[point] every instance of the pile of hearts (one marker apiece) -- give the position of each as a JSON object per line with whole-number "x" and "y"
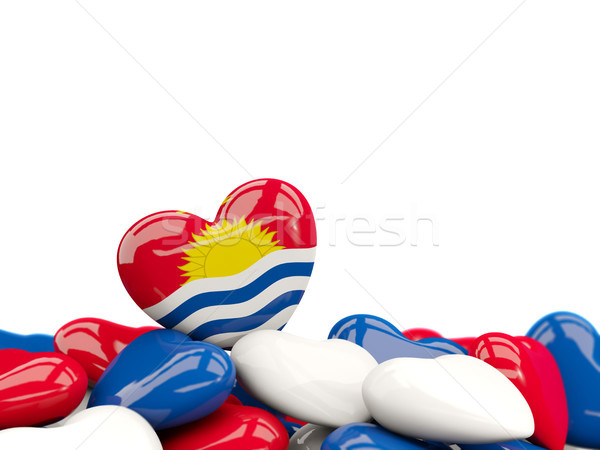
{"x": 217, "y": 372}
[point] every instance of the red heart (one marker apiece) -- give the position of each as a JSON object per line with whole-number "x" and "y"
{"x": 38, "y": 388}
{"x": 94, "y": 343}
{"x": 533, "y": 370}
{"x": 220, "y": 280}
{"x": 231, "y": 427}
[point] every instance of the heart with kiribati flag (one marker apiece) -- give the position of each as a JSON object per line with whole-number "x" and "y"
{"x": 218, "y": 281}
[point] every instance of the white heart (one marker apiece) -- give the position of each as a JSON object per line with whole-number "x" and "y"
{"x": 451, "y": 398}
{"x": 315, "y": 381}
{"x": 98, "y": 428}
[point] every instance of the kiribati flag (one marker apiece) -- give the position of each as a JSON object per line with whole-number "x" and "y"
{"x": 220, "y": 280}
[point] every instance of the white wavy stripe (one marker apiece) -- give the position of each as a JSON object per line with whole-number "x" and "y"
{"x": 225, "y": 340}
{"x": 230, "y": 282}
{"x": 243, "y": 309}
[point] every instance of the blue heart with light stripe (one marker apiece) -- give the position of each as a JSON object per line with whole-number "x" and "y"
{"x": 167, "y": 378}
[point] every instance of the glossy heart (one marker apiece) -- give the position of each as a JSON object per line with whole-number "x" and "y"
{"x": 29, "y": 342}
{"x": 384, "y": 341}
{"x": 231, "y": 427}
{"x": 217, "y": 281}
{"x": 309, "y": 437}
{"x": 367, "y": 436}
{"x": 168, "y": 378}
{"x": 451, "y": 398}
{"x": 38, "y": 388}
{"x": 291, "y": 425}
{"x": 315, "y": 381}
{"x": 94, "y": 343}
{"x": 101, "y": 428}
{"x": 575, "y": 345}
{"x": 532, "y": 369}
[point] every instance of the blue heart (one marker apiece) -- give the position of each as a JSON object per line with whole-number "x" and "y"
{"x": 32, "y": 343}
{"x": 384, "y": 341}
{"x": 363, "y": 436}
{"x": 168, "y": 378}
{"x": 575, "y": 345}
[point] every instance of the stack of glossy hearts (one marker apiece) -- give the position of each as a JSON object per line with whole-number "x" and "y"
{"x": 232, "y": 284}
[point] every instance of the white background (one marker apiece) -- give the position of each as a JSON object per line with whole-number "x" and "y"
{"x": 483, "y": 118}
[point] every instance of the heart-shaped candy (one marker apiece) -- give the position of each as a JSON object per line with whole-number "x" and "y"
{"x": 94, "y": 343}
{"x": 100, "y": 428}
{"x": 532, "y": 369}
{"x": 315, "y": 381}
{"x": 217, "y": 281}
{"x": 231, "y": 427}
{"x": 309, "y": 437}
{"x": 451, "y": 398}
{"x": 28, "y": 342}
{"x": 575, "y": 345}
{"x": 367, "y": 436}
{"x": 38, "y": 388}
{"x": 168, "y": 378}
{"x": 384, "y": 341}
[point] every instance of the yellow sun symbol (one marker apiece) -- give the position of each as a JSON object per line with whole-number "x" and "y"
{"x": 227, "y": 248}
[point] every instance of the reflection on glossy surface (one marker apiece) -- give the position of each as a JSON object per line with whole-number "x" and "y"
{"x": 367, "y": 436}
{"x": 309, "y": 437}
{"x": 31, "y": 342}
{"x": 38, "y": 388}
{"x": 532, "y": 369}
{"x": 217, "y": 281}
{"x": 291, "y": 425}
{"x": 101, "y": 428}
{"x": 167, "y": 378}
{"x": 231, "y": 427}
{"x": 575, "y": 345}
{"x": 384, "y": 341}
{"x": 451, "y": 398}
{"x": 94, "y": 343}
{"x": 315, "y": 381}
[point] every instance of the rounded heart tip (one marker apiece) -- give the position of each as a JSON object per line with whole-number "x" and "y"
{"x": 451, "y": 398}
{"x": 167, "y": 378}
{"x": 317, "y": 382}
{"x": 38, "y": 388}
